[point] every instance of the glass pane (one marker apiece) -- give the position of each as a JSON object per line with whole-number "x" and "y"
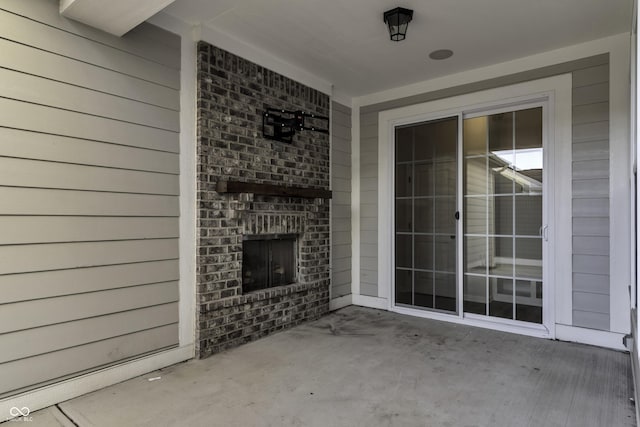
{"x": 529, "y": 128}
{"x": 528, "y": 171}
{"x": 282, "y": 261}
{"x": 475, "y": 176}
{"x": 504, "y": 160}
{"x": 404, "y": 144}
{"x": 445, "y": 292}
{"x": 502, "y": 215}
{"x": 502, "y": 176}
{"x": 424, "y": 252}
{"x": 445, "y": 253}
{"x": 426, "y": 192}
{"x": 501, "y": 297}
{"x": 501, "y": 132}
{"x": 403, "y": 214}
{"x": 424, "y": 179}
{"x": 403, "y": 180}
{"x": 528, "y": 215}
{"x": 529, "y": 301}
{"x": 404, "y": 286}
{"x": 424, "y": 215}
{"x": 445, "y": 177}
{"x": 475, "y": 254}
{"x": 501, "y": 256}
{"x": 475, "y": 215}
{"x": 445, "y": 214}
{"x": 425, "y": 142}
{"x": 529, "y": 258}
{"x": 475, "y": 294}
{"x": 404, "y": 250}
{"x": 445, "y": 139}
{"x": 423, "y": 295}
{"x": 475, "y": 136}
{"x": 255, "y": 265}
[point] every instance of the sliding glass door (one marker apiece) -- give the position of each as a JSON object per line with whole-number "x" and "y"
{"x": 488, "y": 172}
{"x": 503, "y": 169}
{"x": 425, "y": 215}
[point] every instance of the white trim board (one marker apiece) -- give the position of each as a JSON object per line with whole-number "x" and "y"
{"x": 555, "y": 92}
{"x": 590, "y": 336}
{"x": 371, "y": 302}
{"x": 620, "y": 177}
{"x": 355, "y": 200}
{"x": 340, "y": 302}
{"x": 77, "y": 386}
{"x": 188, "y": 158}
{"x": 495, "y": 324}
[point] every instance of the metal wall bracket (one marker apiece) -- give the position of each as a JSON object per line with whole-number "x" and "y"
{"x": 282, "y": 125}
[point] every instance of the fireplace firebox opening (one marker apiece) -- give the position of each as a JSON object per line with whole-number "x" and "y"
{"x": 268, "y": 261}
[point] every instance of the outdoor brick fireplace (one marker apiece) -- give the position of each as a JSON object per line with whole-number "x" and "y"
{"x": 260, "y": 201}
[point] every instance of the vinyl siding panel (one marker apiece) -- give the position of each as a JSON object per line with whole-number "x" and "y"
{"x": 145, "y": 41}
{"x": 50, "y": 338}
{"x": 43, "y": 174}
{"x": 43, "y": 91}
{"x": 59, "y": 256}
{"x": 341, "y": 201}
{"x": 89, "y": 178}
{"x": 26, "y": 144}
{"x": 49, "y": 284}
{"x": 592, "y": 283}
{"x": 590, "y": 153}
{"x": 590, "y": 198}
{"x": 79, "y": 359}
{"x": 20, "y": 230}
{"x": 46, "y": 37}
{"x": 51, "y": 311}
{"x": 39, "y": 118}
{"x": 25, "y": 59}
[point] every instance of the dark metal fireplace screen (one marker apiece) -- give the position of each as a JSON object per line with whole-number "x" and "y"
{"x": 268, "y": 261}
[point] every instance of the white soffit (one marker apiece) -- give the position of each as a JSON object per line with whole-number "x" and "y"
{"x": 116, "y": 17}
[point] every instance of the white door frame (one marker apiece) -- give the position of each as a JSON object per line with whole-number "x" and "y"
{"x": 555, "y": 94}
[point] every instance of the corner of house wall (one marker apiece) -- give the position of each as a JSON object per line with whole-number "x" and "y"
{"x": 355, "y": 198}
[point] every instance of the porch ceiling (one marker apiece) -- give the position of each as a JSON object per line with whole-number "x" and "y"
{"x": 347, "y": 44}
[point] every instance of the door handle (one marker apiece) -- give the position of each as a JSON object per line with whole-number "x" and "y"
{"x": 457, "y": 215}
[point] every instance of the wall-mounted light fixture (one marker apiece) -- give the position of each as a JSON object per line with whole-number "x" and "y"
{"x": 398, "y": 20}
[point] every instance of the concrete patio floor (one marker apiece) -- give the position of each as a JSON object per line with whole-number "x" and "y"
{"x": 364, "y": 367}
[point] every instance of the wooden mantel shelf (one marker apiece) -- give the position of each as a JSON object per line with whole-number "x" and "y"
{"x": 272, "y": 190}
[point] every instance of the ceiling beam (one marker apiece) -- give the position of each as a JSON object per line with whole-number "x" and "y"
{"x": 116, "y": 17}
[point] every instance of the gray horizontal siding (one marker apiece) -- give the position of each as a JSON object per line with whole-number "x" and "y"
{"x": 89, "y": 178}
{"x": 369, "y": 204}
{"x": 590, "y": 165}
{"x": 590, "y": 175}
{"x": 341, "y": 202}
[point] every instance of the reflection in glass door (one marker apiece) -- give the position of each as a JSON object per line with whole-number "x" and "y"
{"x": 503, "y": 227}
{"x": 425, "y": 215}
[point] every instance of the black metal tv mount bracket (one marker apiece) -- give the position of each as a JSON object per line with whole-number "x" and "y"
{"x": 282, "y": 125}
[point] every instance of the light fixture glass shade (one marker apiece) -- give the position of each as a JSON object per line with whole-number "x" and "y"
{"x": 398, "y": 21}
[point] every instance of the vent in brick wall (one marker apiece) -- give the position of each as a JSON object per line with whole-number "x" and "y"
{"x": 273, "y": 223}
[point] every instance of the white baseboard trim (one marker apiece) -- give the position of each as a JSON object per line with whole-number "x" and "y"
{"x": 340, "y": 302}
{"x": 74, "y": 387}
{"x": 371, "y": 302}
{"x": 605, "y": 339}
